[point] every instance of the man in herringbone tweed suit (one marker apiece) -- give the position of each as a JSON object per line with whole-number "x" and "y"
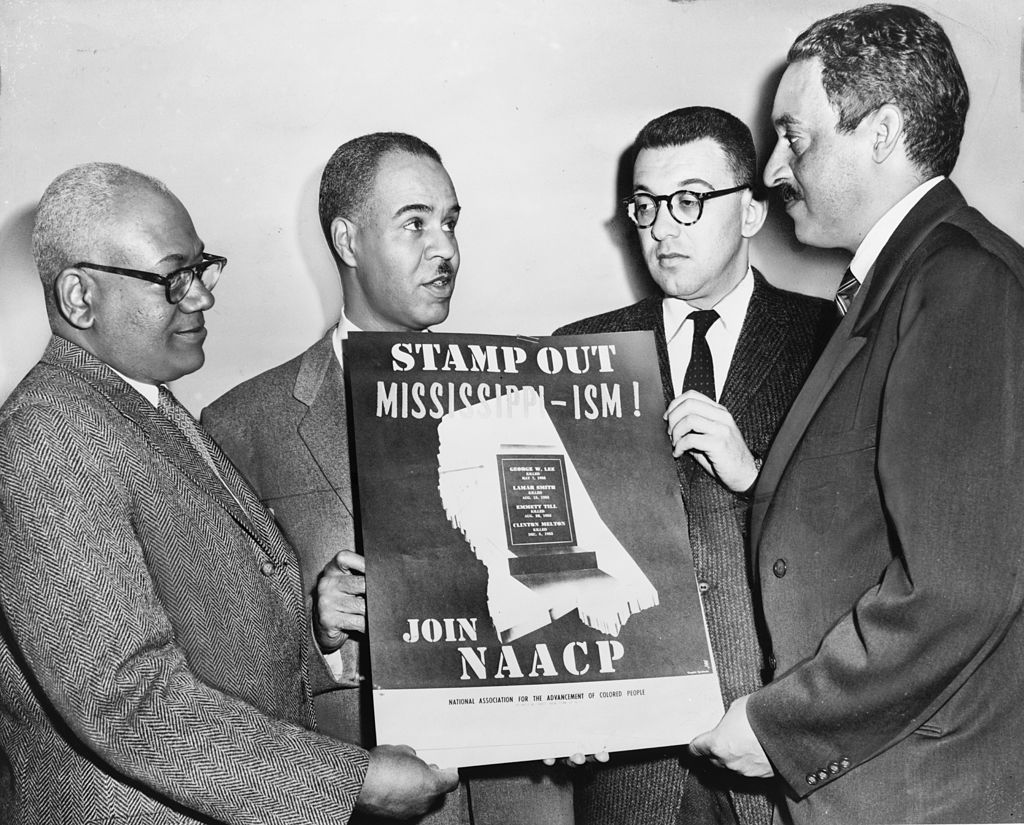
{"x": 762, "y": 343}
{"x": 154, "y": 659}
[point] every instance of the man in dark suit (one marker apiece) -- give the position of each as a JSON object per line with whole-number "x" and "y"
{"x": 388, "y": 211}
{"x": 722, "y": 332}
{"x": 886, "y": 526}
{"x": 154, "y": 654}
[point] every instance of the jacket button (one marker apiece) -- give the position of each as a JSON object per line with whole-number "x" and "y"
{"x": 833, "y": 767}
{"x": 812, "y": 779}
{"x": 779, "y": 568}
{"x": 267, "y": 568}
{"x": 822, "y": 775}
{"x": 703, "y": 587}
{"x": 844, "y": 762}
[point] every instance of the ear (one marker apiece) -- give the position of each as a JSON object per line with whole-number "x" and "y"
{"x": 343, "y": 233}
{"x": 74, "y": 292}
{"x": 886, "y": 130}
{"x": 754, "y": 213}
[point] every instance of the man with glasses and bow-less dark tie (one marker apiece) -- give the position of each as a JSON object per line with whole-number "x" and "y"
{"x": 155, "y": 646}
{"x": 733, "y": 351}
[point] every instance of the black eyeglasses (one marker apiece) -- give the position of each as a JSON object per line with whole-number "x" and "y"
{"x": 684, "y": 206}
{"x": 178, "y": 282}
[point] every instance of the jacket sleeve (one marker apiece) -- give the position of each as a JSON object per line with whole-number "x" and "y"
{"x": 950, "y": 477}
{"x": 84, "y": 612}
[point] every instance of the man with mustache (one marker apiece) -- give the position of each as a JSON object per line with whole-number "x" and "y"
{"x": 886, "y": 528}
{"x": 388, "y": 211}
{"x": 733, "y": 351}
{"x": 155, "y": 640}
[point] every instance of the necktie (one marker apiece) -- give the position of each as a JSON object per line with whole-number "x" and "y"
{"x": 846, "y": 292}
{"x": 183, "y": 420}
{"x": 700, "y": 372}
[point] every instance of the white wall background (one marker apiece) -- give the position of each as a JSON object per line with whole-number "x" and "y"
{"x": 236, "y": 105}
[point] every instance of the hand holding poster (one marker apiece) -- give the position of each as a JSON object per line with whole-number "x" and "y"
{"x": 530, "y": 588}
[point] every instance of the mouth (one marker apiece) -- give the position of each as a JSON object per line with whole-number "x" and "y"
{"x": 671, "y": 258}
{"x": 444, "y": 283}
{"x": 193, "y": 333}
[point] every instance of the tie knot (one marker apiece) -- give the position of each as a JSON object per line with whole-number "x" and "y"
{"x": 702, "y": 321}
{"x": 167, "y": 399}
{"x": 849, "y": 284}
{"x": 847, "y": 289}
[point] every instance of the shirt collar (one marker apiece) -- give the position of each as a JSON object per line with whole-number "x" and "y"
{"x": 341, "y": 331}
{"x": 879, "y": 234}
{"x": 731, "y": 309}
{"x": 150, "y": 392}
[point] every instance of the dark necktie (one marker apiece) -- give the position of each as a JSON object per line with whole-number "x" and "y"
{"x": 846, "y": 292}
{"x": 700, "y": 372}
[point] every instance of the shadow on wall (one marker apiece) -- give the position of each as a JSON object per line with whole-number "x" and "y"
{"x": 319, "y": 264}
{"x": 623, "y": 235}
{"x": 24, "y": 331}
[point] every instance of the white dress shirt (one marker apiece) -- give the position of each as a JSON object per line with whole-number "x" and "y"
{"x": 345, "y": 326}
{"x": 722, "y": 336}
{"x": 878, "y": 236}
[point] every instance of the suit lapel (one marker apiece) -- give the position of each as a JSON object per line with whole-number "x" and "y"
{"x": 162, "y": 434}
{"x": 324, "y": 429}
{"x": 757, "y": 349}
{"x": 849, "y": 338}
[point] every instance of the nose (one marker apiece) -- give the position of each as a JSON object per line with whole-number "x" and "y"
{"x": 664, "y": 226}
{"x": 443, "y": 244}
{"x": 777, "y": 171}
{"x": 198, "y": 298}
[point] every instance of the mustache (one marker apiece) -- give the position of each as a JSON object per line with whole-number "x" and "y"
{"x": 445, "y": 269}
{"x": 789, "y": 193}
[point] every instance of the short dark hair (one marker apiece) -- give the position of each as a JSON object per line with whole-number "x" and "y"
{"x": 883, "y": 53}
{"x": 349, "y": 175}
{"x": 682, "y": 126}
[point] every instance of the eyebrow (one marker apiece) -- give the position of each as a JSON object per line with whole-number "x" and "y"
{"x": 683, "y": 184}
{"x": 175, "y": 258}
{"x": 422, "y": 207}
{"x": 785, "y": 120}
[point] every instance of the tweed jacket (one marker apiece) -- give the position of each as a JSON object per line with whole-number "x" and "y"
{"x": 890, "y": 545}
{"x": 782, "y": 334}
{"x": 153, "y": 659}
{"x": 286, "y": 430}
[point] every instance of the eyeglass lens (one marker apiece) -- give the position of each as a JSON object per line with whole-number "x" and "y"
{"x": 683, "y": 206}
{"x": 181, "y": 282}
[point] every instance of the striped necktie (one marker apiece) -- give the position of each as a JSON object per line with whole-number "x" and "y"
{"x": 846, "y": 292}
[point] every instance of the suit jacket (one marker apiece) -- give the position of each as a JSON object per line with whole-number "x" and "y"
{"x": 888, "y": 541}
{"x": 286, "y": 431}
{"x": 782, "y": 334}
{"x": 153, "y": 661}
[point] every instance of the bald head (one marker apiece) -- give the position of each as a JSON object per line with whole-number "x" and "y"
{"x": 75, "y": 214}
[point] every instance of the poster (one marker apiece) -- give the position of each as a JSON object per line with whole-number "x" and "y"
{"x": 530, "y": 587}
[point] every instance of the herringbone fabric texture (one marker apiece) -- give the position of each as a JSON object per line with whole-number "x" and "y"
{"x": 153, "y": 663}
{"x": 782, "y": 335}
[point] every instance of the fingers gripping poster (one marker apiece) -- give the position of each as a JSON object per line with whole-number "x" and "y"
{"x": 530, "y": 585}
